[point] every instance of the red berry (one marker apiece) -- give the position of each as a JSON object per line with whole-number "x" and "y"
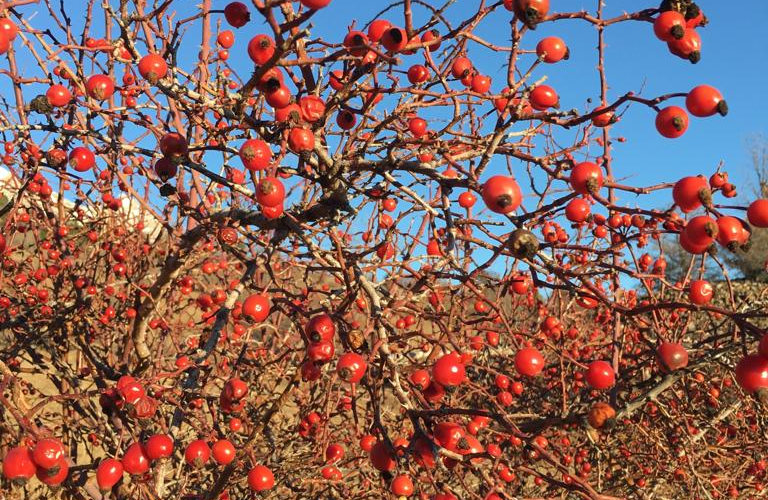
{"x": 351, "y": 367}
{"x": 529, "y": 362}
{"x": 197, "y": 453}
{"x": 449, "y": 370}
{"x": 223, "y": 451}
{"x": 752, "y": 373}
{"x": 108, "y": 474}
{"x": 260, "y": 478}
{"x": 159, "y": 446}
{"x": 501, "y": 194}
{"x": 18, "y": 466}
{"x": 600, "y": 375}
{"x": 256, "y": 308}
{"x": 135, "y": 460}
{"x": 153, "y": 67}
{"x": 47, "y": 453}
{"x": 237, "y": 14}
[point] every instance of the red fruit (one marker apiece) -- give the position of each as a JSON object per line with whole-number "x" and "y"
{"x": 226, "y": 39}
{"x": 672, "y": 122}
{"x": 377, "y": 28}
{"x": 529, "y": 362}
{"x": 381, "y": 458}
{"x": 467, "y": 199}
{"x": 687, "y": 47}
{"x": 705, "y": 101}
{"x": 432, "y": 40}
{"x": 47, "y": 453}
{"x": 669, "y": 26}
{"x": 551, "y": 49}
{"x": 312, "y": 108}
{"x": 271, "y": 80}
{"x": 481, "y": 84}
{"x": 691, "y": 192}
{"x": 129, "y": 389}
{"x": 402, "y": 486}
{"x": 731, "y": 231}
{"x": 159, "y": 446}
{"x": 18, "y": 466}
{"x": 577, "y": 210}
{"x": 461, "y": 67}
{"x": 356, "y": 43}
{"x": 58, "y": 95}
{"x": 223, "y": 452}
{"x": 529, "y": 12}
{"x": 700, "y": 231}
{"x": 691, "y": 247}
{"x": 420, "y": 378}
{"x": 543, "y": 97}
{"x": 394, "y": 39}
{"x": 320, "y": 327}
{"x": 757, "y": 213}
{"x": 261, "y": 48}
{"x": 165, "y": 168}
{"x": 333, "y": 453}
{"x": 256, "y": 308}
{"x": 331, "y": 473}
{"x": 603, "y": 119}
{"x": 752, "y": 373}
{"x": 153, "y": 67}
{"x": 718, "y": 180}
{"x": 417, "y": 126}
{"x": 501, "y": 194}
{"x": 448, "y": 434}
{"x": 237, "y": 14}
{"x": 351, "y": 367}
{"x": 586, "y": 178}
{"x": 100, "y": 87}
{"x": 235, "y": 389}
{"x": 418, "y": 74}
{"x": 197, "y": 453}
{"x": 5, "y": 42}
{"x": 108, "y": 474}
{"x": 700, "y": 292}
{"x": 672, "y": 356}
{"x": 367, "y": 443}
{"x": 290, "y": 113}
{"x": 433, "y": 248}
{"x": 260, "y": 478}
{"x": 600, "y": 375}
{"x": 174, "y": 144}
{"x": 315, "y": 4}
{"x": 346, "y": 120}
{"x": 82, "y": 159}
{"x": 501, "y": 102}
{"x": 9, "y": 28}
{"x": 255, "y": 154}
{"x": 54, "y": 476}
{"x": 135, "y": 460}
{"x": 321, "y": 352}
{"x": 449, "y": 370}
{"x": 270, "y": 192}
{"x": 301, "y": 140}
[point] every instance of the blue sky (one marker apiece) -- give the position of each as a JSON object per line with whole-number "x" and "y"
{"x": 735, "y": 55}
{"x": 734, "y": 60}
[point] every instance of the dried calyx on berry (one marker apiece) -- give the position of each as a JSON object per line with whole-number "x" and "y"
{"x": 40, "y": 104}
{"x": 523, "y": 244}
